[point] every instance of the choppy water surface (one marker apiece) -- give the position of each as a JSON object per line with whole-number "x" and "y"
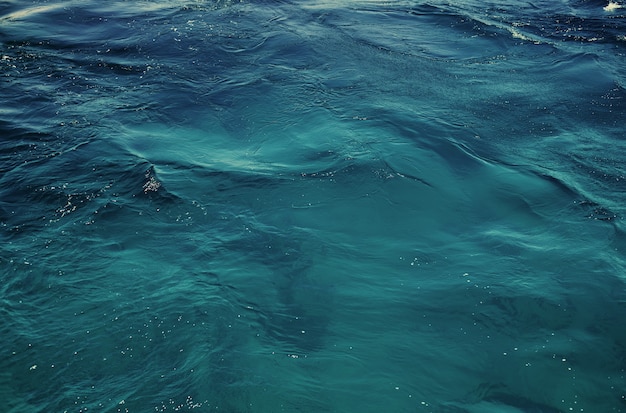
{"x": 312, "y": 206}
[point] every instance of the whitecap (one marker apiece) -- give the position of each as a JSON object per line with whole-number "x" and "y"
{"x": 612, "y": 6}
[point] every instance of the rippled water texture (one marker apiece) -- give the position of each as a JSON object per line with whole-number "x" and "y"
{"x": 312, "y": 206}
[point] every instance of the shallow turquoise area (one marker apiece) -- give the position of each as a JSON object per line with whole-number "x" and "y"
{"x": 312, "y": 206}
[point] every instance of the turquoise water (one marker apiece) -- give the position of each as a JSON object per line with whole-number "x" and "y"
{"x": 312, "y": 206}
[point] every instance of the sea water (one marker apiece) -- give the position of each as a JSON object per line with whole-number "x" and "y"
{"x": 312, "y": 206}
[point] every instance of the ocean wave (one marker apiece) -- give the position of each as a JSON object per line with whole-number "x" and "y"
{"x": 289, "y": 206}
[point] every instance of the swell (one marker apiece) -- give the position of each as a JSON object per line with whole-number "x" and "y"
{"x": 558, "y": 24}
{"x": 143, "y": 274}
{"x": 479, "y": 32}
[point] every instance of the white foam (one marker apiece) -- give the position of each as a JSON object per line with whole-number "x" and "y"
{"x": 612, "y": 6}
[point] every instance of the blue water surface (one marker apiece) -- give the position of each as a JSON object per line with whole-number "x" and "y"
{"x": 312, "y": 206}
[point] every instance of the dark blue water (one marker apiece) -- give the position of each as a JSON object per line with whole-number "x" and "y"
{"x": 302, "y": 206}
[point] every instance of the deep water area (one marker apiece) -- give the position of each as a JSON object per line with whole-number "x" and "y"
{"x": 313, "y": 206}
